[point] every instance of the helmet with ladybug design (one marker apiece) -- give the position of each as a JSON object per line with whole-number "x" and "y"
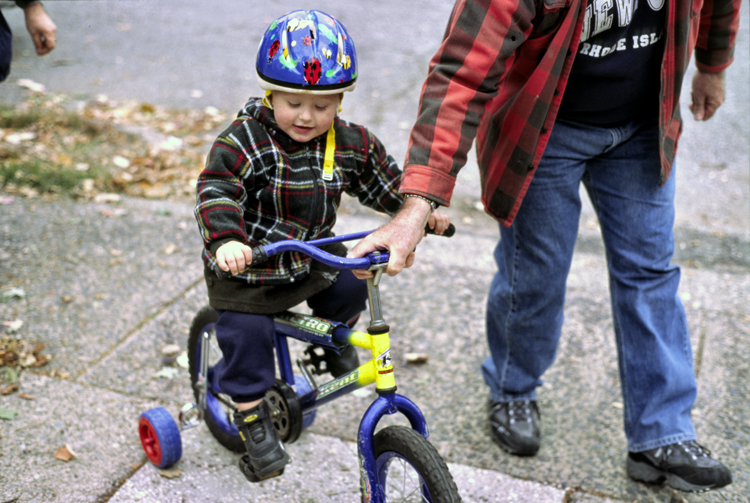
{"x": 307, "y": 52}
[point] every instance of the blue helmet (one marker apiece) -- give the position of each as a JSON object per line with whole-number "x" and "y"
{"x": 307, "y": 52}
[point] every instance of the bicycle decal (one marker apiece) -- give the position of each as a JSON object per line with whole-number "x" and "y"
{"x": 364, "y": 482}
{"x": 311, "y": 324}
{"x": 339, "y": 383}
{"x": 385, "y": 362}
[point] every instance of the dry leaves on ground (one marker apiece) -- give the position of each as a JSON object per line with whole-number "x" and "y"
{"x": 102, "y": 146}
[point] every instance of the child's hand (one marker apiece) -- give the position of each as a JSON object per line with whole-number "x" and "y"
{"x": 234, "y": 257}
{"x": 438, "y": 222}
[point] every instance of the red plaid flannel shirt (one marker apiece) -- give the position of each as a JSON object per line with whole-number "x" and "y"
{"x": 499, "y": 77}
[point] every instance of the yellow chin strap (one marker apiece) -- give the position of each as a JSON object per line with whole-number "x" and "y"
{"x": 330, "y": 149}
{"x": 330, "y": 142}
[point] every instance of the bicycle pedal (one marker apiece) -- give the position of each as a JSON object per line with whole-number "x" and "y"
{"x": 315, "y": 361}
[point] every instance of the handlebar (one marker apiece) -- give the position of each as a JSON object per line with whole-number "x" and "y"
{"x": 311, "y": 248}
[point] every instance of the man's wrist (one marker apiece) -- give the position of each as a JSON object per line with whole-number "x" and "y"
{"x": 433, "y": 204}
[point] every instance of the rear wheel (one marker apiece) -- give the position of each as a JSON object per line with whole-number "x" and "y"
{"x": 219, "y": 407}
{"x": 409, "y": 468}
{"x": 219, "y": 411}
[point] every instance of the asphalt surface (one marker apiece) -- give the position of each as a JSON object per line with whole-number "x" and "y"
{"x": 106, "y": 286}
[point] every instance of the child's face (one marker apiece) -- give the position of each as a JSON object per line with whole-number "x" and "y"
{"x": 304, "y": 116}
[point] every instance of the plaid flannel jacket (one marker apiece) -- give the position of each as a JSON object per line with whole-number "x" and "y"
{"x": 260, "y": 186}
{"x": 499, "y": 77}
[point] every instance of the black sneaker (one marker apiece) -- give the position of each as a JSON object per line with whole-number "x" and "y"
{"x": 685, "y": 466}
{"x": 515, "y": 426}
{"x": 266, "y": 456}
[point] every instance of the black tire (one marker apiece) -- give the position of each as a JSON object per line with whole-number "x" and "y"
{"x": 217, "y": 415}
{"x": 407, "y": 463}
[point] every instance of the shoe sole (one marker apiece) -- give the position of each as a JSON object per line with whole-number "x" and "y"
{"x": 511, "y": 449}
{"x": 643, "y": 472}
{"x": 276, "y": 469}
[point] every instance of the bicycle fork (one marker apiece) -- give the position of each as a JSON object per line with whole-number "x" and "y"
{"x": 388, "y": 401}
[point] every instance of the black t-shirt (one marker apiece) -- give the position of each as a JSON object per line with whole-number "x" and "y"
{"x": 616, "y": 72}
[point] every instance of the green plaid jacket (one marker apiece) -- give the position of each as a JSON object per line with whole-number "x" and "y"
{"x": 260, "y": 186}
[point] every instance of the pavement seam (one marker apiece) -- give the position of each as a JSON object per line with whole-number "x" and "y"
{"x": 149, "y": 317}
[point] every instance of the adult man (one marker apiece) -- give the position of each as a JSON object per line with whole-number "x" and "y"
{"x": 559, "y": 92}
{"x": 39, "y": 25}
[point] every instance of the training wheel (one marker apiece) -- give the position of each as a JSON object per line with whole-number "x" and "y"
{"x": 160, "y": 437}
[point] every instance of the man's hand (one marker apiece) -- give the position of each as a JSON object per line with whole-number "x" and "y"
{"x": 399, "y": 236}
{"x": 708, "y": 94}
{"x": 438, "y": 222}
{"x": 41, "y": 28}
{"x": 234, "y": 257}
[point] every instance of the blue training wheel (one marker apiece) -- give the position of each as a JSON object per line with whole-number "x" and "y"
{"x": 160, "y": 437}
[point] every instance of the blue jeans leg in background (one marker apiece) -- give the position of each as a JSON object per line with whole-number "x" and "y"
{"x": 620, "y": 169}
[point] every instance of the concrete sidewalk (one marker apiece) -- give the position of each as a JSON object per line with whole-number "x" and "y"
{"x": 106, "y": 287}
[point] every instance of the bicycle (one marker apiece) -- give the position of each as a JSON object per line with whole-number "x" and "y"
{"x": 397, "y": 463}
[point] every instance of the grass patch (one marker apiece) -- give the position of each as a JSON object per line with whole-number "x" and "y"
{"x": 48, "y": 146}
{"x": 48, "y": 178}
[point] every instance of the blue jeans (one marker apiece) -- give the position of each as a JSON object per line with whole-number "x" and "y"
{"x": 620, "y": 169}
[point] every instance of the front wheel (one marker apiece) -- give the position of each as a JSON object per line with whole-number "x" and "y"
{"x": 409, "y": 468}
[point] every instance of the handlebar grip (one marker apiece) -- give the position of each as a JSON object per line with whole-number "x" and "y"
{"x": 449, "y": 232}
{"x": 259, "y": 255}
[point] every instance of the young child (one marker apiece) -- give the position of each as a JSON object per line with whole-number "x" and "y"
{"x": 278, "y": 172}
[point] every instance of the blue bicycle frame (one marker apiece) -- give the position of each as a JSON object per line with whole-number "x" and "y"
{"x": 335, "y": 336}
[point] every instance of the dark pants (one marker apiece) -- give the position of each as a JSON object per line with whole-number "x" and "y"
{"x": 248, "y": 368}
{"x": 6, "y": 48}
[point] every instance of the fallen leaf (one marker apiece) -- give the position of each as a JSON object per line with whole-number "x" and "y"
{"x": 17, "y": 138}
{"x": 167, "y": 373}
{"x": 13, "y": 326}
{"x": 171, "y": 473}
{"x": 32, "y": 86}
{"x": 121, "y": 162}
{"x": 10, "y": 374}
{"x": 416, "y": 358}
{"x": 26, "y": 396}
{"x": 28, "y": 360}
{"x": 170, "y": 350}
{"x": 8, "y": 414}
{"x": 42, "y": 360}
{"x": 64, "y": 453}
{"x": 11, "y": 388}
{"x": 13, "y": 293}
{"x": 182, "y": 360}
{"x": 107, "y": 198}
